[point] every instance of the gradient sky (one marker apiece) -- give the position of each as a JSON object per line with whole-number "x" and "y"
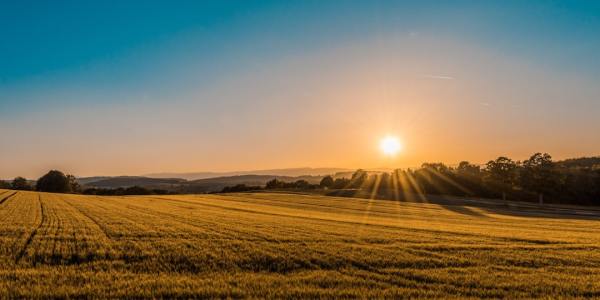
{"x": 135, "y": 87}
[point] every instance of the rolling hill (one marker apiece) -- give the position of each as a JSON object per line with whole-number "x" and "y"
{"x": 184, "y": 186}
{"x": 218, "y": 183}
{"x": 291, "y": 172}
{"x": 127, "y": 181}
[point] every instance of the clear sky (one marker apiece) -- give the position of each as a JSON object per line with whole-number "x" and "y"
{"x": 135, "y": 87}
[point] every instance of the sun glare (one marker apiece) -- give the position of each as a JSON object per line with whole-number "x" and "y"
{"x": 390, "y": 145}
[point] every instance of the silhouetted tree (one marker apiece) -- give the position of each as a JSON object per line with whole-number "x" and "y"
{"x": 4, "y": 184}
{"x": 383, "y": 181}
{"x": 137, "y": 190}
{"x": 298, "y": 184}
{"x": 470, "y": 176}
{"x": 539, "y": 175}
{"x": 341, "y": 183}
{"x": 162, "y": 192}
{"x": 103, "y": 192}
{"x": 54, "y": 182}
{"x": 301, "y": 184}
{"x": 274, "y": 184}
{"x": 358, "y": 178}
{"x": 91, "y": 191}
{"x": 240, "y": 188}
{"x": 437, "y": 178}
{"x": 503, "y": 171}
{"x": 569, "y": 181}
{"x": 20, "y": 183}
{"x": 403, "y": 181}
{"x": 75, "y": 187}
{"x": 438, "y": 167}
{"x": 466, "y": 168}
{"x": 326, "y": 182}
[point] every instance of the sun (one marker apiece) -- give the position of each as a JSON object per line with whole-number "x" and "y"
{"x": 390, "y": 145}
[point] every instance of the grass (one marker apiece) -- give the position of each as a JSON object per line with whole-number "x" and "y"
{"x": 288, "y": 246}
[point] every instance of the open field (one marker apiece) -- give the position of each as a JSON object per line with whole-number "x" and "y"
{"x": 291, "y": 246}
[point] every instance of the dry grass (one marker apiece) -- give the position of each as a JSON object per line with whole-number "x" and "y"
{"x": 288, "y": 246}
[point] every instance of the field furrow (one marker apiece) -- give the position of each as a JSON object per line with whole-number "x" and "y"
{"x": 5, "y": 196}
{"x": 287, "y": 246}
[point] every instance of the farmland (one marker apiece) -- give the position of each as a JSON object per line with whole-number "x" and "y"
{"x": 289, "y": 246}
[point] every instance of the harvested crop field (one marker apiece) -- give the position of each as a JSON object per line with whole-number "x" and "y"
{"x": 269, "y": 245}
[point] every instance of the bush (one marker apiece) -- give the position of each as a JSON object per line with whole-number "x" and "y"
{"x": 54, "y": 182}
{"x": 20, "y": 183}
{"x": 326, "y": 182}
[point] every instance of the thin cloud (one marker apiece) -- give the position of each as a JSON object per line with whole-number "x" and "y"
{"x": 442, "y": 77}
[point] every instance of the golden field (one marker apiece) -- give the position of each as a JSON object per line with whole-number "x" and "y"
{"x": 275, "y": 245}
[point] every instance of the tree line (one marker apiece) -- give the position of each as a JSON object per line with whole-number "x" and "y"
{"x": 54, "y": 182}
{"x": 272, "y": 184}
{"x": 538, "y": 178}
{"x": 57, "y": 182}
{"x": 535, "y": 179}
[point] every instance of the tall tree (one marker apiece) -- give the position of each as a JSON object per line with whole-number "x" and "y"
{"x": 358, "y": 178}
{"x": 503, "y": 171}
{"x": 75, "y": 187}
{"x": 470, "y": 176}
{"x": 274, "y": 184}
{"x": 54, "y": 182}
{"x": 539, "y": 175}
{"x": 326, "y": 182}
{"x": 466, "y": 168}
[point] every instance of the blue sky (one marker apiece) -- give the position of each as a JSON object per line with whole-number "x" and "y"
{"x": 47, "y": 40}
{"x": 64, "y": 58}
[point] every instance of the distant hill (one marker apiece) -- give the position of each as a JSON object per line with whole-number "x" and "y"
{"x": 218, "y": 183}
{"x": 88, "y": 180}
{"x": 292, "y": 172}
{"x": 205, "y": 185}
{"x": 127, "y": 181}
{"x": 205, "y": 182}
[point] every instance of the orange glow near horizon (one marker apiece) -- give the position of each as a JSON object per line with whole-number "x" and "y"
{"x": 309, "y": 110}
